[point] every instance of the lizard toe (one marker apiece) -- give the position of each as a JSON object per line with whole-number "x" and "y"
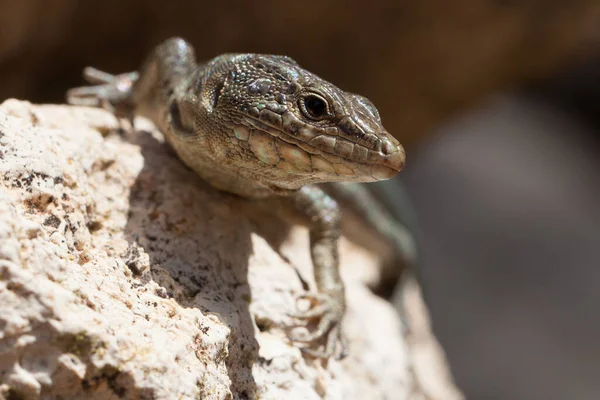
{"x": 95, "y": 76}
{"x": 335, "y": 346}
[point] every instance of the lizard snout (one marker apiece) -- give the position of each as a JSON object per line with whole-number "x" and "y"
{"x": 395, "y": 160}
{"x": 390, "y": 161}
{"x": 394, "y": 155}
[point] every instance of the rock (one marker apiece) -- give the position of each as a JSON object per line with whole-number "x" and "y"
{"x": 124, "y": 275}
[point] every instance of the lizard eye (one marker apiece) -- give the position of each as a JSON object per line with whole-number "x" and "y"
{"x": 314, "y": 106}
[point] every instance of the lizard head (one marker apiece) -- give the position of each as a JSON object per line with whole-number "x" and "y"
{"x": 286, "y": 121}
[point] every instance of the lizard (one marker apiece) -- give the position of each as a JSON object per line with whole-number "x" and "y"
{"x": 263, "y": 128}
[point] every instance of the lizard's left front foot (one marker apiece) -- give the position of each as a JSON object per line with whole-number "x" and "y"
{"x": 330, "y": 311}
{"x": 110, "y": 92}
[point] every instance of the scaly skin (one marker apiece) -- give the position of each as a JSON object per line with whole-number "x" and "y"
{"x": 260, "y": 126}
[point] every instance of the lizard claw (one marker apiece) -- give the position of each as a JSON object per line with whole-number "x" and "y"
{"x": 322, "y": 306}
{"x": 95, "y": 76}
{"x": 335, "y": 346}
{"x": 330, "y": 313}
{"x": 110, "y": 92}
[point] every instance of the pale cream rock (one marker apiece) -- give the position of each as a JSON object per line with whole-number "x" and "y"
{"x": 123, "y": 275}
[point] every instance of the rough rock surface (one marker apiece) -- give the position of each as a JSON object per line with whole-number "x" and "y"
{"x": 123, "y": 275}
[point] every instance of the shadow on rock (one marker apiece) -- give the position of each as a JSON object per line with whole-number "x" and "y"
{"x": 198, "y": 246}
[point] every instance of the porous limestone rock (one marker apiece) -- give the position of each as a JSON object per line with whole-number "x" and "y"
{"x": 124, "y": 275}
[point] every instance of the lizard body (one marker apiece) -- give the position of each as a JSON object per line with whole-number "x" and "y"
{"x": 262, "y": 127}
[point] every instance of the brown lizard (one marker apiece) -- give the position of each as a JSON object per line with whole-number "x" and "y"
{"x": 260, "y": 126}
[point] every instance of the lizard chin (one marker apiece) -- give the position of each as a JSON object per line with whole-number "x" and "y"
{"x": 382, "y": 172}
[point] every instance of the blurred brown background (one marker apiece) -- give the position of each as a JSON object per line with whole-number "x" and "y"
{"x": 506, "y": 187}
{"x": 419, "y": 61}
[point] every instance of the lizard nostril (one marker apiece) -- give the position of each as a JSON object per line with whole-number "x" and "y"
{"x": 377, "y": 146}
{"x": 388, "y": 147}
{"x": 395, "y": 160}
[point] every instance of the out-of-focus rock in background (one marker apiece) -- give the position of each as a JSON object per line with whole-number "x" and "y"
{"x": 508, "y": 201}
{"x": 419, "y": 61}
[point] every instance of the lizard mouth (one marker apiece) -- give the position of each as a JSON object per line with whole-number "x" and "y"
{"x": 322, "y": 153}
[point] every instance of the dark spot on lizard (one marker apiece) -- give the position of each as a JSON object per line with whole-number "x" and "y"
{"x": 260, "y": 86}
{"x": 348, "y": 127}
{"x": 293, "y": 87}
{"x": 176, "y": 117}
{"x": 217, "y": 94}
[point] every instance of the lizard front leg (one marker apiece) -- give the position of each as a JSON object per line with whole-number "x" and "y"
{"x": 147, "y": 92}
{"x": 312, "y": 207}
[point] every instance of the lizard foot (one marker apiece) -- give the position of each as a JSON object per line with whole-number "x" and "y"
{"x": 328, "y": 310}
{"x": 110, "y": 92}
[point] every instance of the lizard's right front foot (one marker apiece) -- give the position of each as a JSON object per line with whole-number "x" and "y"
{"x": 110, "y": 92}
{"x": 328, "y": 309}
